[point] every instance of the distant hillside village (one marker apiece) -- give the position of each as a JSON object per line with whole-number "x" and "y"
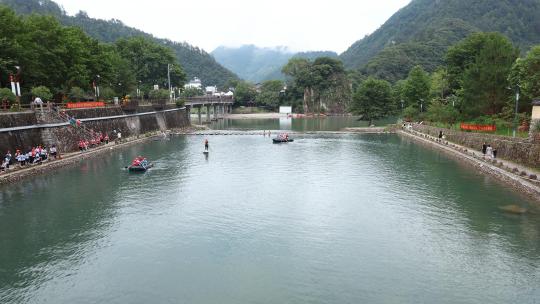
{"x": 196, "y": 83}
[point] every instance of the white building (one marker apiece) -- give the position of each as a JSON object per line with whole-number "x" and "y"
{"x": 211, "y": 90}
{"x": 194, "y": 83}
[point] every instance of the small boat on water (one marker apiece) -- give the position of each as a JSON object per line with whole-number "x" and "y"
{"x": 282, "y": 138}
{"x": 139, "y": 164}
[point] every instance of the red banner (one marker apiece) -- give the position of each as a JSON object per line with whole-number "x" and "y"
{"x": 473, "y": 127}
{"x": 89, "y": 104}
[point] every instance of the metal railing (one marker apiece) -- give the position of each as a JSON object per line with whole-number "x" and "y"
{"x": 129, "y": 105}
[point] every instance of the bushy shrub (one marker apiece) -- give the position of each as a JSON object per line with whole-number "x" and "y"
{"x": 76, "y": 94}
{"x": 42, "y": 92}
{"x": 159, "y": 94}
{"x": 6, "y": 96}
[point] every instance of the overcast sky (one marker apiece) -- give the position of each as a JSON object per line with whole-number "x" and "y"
{"x": 301, "y": 25}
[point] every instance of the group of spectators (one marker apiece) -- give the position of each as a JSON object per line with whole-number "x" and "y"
{"x": 95, "y": 140}
{"x": 34, "y": 155}
{"x": 39, "y": 154}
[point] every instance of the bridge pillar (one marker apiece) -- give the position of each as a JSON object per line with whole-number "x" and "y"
{"x": 188, "y": 110}
{"x": 208, "y": 119}
{"x": 215, "y": 111}
{"x": 199, "y": 108}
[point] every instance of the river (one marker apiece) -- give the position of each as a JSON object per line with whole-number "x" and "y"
{"x": 326, "y": 219}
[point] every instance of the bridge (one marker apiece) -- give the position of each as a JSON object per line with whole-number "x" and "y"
{"x": 216, "y": 105}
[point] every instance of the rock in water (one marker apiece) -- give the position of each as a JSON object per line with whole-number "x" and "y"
{"x": 515, "y": 209}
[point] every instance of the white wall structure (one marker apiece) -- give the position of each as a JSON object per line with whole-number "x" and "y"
{"x": 285, "y": 110}
{"x": 194, "y": 83}
{"x": 211, "y": 90}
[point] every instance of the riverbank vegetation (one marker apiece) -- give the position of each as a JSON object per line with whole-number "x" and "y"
{"x": 477, "y": 83}
{"x": 48, "y": 57}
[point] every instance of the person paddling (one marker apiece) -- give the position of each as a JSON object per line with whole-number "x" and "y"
{"x": 206, "y": 145}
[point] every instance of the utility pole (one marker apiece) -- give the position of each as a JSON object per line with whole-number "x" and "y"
{"x": 169, "y": 79}
{"x": 516, "y": 112}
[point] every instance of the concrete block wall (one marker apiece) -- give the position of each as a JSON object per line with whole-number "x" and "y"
{"x": 66, "y": 137}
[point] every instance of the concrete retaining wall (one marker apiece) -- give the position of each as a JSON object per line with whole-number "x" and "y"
{"x": 522, "y": 151}
{"x": 104, "y": 120}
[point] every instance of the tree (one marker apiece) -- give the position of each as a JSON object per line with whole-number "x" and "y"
{"x": 10, "y": 28}
{"x": 324, "y": 81}
{"x": 192, "y": 92}
{"x": 149, "y": 61}
{"x": 373, "y": 99}
{"x": 416, "y": 88}
{"x": 245, "y": 93}
{"x": 526, "y": 73}
{"x": 329, "y": 79}
{"x": 410, "y": 113}
{"x": 159, "y": 94}
{"x": 270, "y": 93}
{"x": 76, "y": 93}
{"x": 6, "y": 96}
{"x": 107, "y": 93}
{"x": 42, "y": 92}
{"x": 478, "y": 69}
{"x": 300, "y": 70}
{"x": 441, "y": 112}
{"x": 440, "y": 87}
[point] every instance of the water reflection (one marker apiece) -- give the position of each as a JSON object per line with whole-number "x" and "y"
{"x": 330, "y": 123}
{"x": 328, "y": 219}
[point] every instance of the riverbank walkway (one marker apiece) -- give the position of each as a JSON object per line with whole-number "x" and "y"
{"x": 521, "y": 177}
{"x": 16, "y": 173}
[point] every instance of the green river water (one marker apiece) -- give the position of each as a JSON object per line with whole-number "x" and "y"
{"x": 326, "y": 219}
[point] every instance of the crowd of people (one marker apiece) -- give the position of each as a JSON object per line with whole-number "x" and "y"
{"x": 34, "y": 155}
{"x": 95, "y": 140}
{"x": 39, "y": 154}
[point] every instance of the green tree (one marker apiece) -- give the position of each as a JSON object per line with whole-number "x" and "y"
{"x": 526, "y": 73}
{"x": 440, "y": 112}
{"x": 10, "y": 28}
{"x": 76, "y": 93}
{"x": 42, "y": 92}
{"x": 478, "y": 69}
{"x": 440, "y": 87}
{"x": 245, "y": 93}
{"x": 107, "y": 93}
{"x": 330, "y": 82}
{"x": 159, "y": 94}
{"x": 416, "y": 88}
{"x": 373, "y": 99}
{"x": 410, "y": 113}
{"x": 299, "y": 69}
{"x": 270, "y": 93}
{"x": 192, "y": 92}
{"x": 6, "y": 96}
{"x": 149, "y": 61}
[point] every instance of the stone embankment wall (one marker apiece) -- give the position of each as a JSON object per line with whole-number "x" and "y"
{"x": 105, "y": 120}
{"x": 519, "y": 150}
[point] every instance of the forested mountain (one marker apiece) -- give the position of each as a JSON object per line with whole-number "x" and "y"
{"x": 251, "y": 62}
{"x": 195, "y": 61}
{"x": 421, "y": 32}
{"x": 259, "y": 64}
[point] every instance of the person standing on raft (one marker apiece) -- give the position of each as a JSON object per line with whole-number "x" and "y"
{"x": 206, "y": 145}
